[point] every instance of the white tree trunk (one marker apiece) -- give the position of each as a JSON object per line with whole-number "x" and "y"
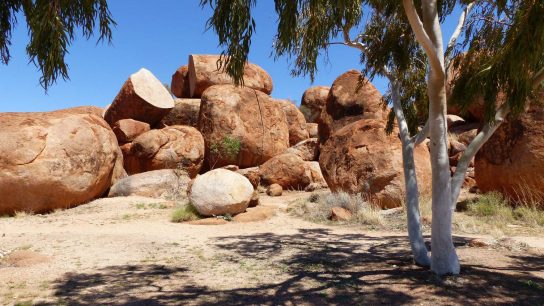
{"x": 428, "y": 33}
{"x": 417, "y": 244}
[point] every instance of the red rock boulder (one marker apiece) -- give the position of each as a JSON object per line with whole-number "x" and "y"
{"x": 127, "y": 129}
{"x": 295, "y": 120}
{"x": 174, "y": 147}
{"x": 351, "y": 98}
{"x": 362, "y": 158}
{"x": 55, "y": 160}
{"x": 143, "y": 97}
{"x": 203, "y": 73}
{"x": 290, "y": 172}
{"x": 241, "y": 126}
{"x": 512, "y": 160}
{"x": 180, "y": 82}
{"x": 313, "y": 101}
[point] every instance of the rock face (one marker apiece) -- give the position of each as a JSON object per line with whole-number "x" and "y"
{"x": 95, "y": 110}
{"x": 313, "y": 101}
{"x": 295, "y": 120}
{"x": 185, "y": 112}
{"x": 340, "y": 214}
{"x": 513, "y": 158}
{"x": 166, "y": 184}
{"x": 142, "y": 98}
{"x": 348, "y": 103}
{"x": 220, "y": 192}
{"x": 291, "y": 172}
{"x": 252, "y": 174}
{"x": 54, "y": 160}
{"x": 239, "y": 117}
{"x": 361, "y": 158}
{"x": 203, "y": 73}
{"x": 307, "y": 149}
{"x": 180, "y": 82}
{"x": 127, "y": 129}
{"x": 313, "y": 129}
{"x": 174, "y": 147}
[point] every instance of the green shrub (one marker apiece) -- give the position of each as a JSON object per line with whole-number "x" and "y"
{"x": 228, "y": 148}
{"x": 186, "y": 212}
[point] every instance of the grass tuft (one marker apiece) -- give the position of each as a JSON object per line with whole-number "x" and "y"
{"x": 184, "y": 213}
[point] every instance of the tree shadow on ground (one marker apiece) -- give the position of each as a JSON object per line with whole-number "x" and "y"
{"x": 319, "y": 268}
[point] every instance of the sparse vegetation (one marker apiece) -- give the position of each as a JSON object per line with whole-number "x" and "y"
{"x": 184, "y": 213}
{"x": 228, "y": 148}
{"x": 317, "y": 208}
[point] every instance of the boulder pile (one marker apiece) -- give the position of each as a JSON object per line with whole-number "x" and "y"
{"x": 220, "y": 145}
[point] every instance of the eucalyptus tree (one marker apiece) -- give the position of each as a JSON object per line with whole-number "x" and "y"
{"x": 52, "y": 26}
{"x": 404, "y": 43}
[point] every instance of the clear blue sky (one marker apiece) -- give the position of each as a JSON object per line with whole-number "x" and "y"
{"x": 158, "y": 35}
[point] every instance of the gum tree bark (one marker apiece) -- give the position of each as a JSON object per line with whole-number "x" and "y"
{"x": 417, "y": 244}
{"x": 444, "y": 259}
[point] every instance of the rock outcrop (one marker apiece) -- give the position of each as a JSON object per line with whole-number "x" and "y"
{"x": 362, "y": 158}
{"x": 142, "y": 98}
{"x": 313, "y": 101}
{"x": 203, "y": 73}
{"x": 174, "y": 147}
{"x": 241, "y": 126}
{"x": 54, "y": 160}
{"x": 220, "y": 192}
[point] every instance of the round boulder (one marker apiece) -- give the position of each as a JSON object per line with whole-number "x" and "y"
{"x": 352, "y": 97}
{"x": 166, "y": 183}
{"x": 362, "y": 158}
{"x": 173, "y": 147}
{"x": 54, "y": 160}
{"x": 295, "y": 120}
{"x": 313, "y": 101}
{"x": 220, "y": 192}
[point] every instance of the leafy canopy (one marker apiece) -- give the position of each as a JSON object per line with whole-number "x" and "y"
{"x": 52, "y": 26}
{"x": 503, "y": 43}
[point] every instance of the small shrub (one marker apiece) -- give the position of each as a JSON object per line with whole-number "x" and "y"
{"x": 185, "y": 213}
{"x": 228, "y": 148}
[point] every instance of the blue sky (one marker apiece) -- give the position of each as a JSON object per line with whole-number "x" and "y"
{"x": 158, "y": 35}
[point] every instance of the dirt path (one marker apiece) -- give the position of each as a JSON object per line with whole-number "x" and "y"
{"x": 125, "y": 251}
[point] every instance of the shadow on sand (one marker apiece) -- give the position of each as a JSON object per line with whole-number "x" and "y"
{"x": 320, "y": 268}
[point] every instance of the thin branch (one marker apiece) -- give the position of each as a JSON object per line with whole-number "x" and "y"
{"x": 457, "y": 32}
{"x": 538, "y": 78}
{"x": 355, "y": 44}
{"x": 422, "y": 135}
{"x": 422, "y": 36}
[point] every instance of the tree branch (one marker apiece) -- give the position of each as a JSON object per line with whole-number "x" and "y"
{"x": 538, "y": 77}
{"x": 354, "y": 44}
{"x": 422, "y": 135}
{"x": 473, "y": 148}
{"x": 457, "y": 32}
{"x": 422, "y": 36}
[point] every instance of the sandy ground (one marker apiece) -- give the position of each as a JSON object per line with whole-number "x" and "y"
{"x": 126, "y": 251}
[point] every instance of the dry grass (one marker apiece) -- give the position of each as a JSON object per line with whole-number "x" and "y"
{"x": 317, "y": 208}
{"x": 489, "y": 214}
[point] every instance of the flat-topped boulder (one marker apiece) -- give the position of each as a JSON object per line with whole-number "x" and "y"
{"x": 142, "y": 97}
